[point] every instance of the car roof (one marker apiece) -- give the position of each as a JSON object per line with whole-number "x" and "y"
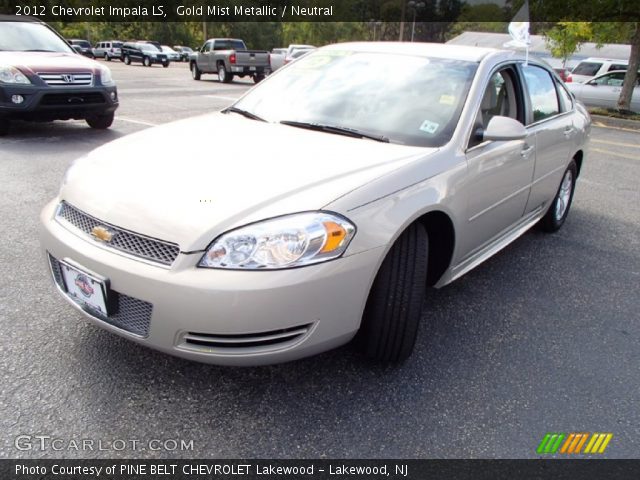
{"x": 599, "y": 59}
{"x": 19, "y": 18}
{"x": 437, "y": 50}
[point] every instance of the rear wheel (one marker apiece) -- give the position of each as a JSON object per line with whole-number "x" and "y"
{"x": 394, "y": 308}
{"x": 4, "y": 126}
{"x": 223, "y": 75}
{"x": 165, "y": 65}
{"x": 258, "y": 78}
{"x": 195, "y": 71}
{"x": 101, "y": 122}
{"x": 146, "y": 61}
{"x": 127, "y": 60}
{"x": 107, "y": 57}
{"x": 559, "y": 209}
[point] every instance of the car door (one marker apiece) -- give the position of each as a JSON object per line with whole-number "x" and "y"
{"x": 205, "y": 56}
{"x": 550, "y": 117}
{"x": 603, "y": 91}
{"x": 499, "y": 172}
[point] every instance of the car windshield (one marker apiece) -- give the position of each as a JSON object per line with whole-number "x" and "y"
{"x": 26, "y": 36}
{"x": 409, "y": 100}
{"x": 81, "y": 43}
{"x": 116, "y": 44}
{"x": 168, "y": 49}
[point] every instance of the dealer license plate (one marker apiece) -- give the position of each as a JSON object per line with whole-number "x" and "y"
{"x": 85, "y": 288}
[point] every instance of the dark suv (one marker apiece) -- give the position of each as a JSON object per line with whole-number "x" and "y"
{"x": 43, "y": 79}
{"x": 146, "y": 53}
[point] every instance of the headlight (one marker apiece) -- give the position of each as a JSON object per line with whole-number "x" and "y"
{"x": 13, "y": 75}
{"x": 284, "y": 242}
{"x": 105, "y": 76}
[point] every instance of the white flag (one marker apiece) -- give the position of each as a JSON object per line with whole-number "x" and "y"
{"x": 519, "y": 28}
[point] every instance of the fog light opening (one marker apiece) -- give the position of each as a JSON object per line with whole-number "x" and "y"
{"x": 17, "y": 99}
{"x": 114, "y": 96}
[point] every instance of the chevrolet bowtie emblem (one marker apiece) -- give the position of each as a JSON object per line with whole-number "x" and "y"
{"x": 101, "y": 233}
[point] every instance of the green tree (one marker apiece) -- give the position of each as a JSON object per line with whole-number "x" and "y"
{"x": 565, "y": 38}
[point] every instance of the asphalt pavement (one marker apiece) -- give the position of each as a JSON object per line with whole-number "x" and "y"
{"x": 544, "y": 337}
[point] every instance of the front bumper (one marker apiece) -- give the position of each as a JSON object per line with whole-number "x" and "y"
{"x": 223, "y": 316}
{"x": 44, "y": 103}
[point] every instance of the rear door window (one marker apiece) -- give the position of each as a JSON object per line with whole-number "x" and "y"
{"x": 542, "y": 92}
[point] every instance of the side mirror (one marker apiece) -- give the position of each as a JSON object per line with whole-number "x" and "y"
{"x": 592, "y": 83}
{"x": 504, "y": 129}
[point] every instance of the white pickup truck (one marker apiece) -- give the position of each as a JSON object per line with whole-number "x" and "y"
{"x": 229, "y": 57}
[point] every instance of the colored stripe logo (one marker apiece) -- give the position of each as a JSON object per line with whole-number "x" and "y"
{"x": 573, "y": 443}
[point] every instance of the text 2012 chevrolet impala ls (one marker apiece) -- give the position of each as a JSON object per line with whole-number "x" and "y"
{"x": 379, "y": 186}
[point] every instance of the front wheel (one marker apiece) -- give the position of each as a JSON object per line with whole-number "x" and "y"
{"x": 101, "y": 122}
{"x": 165, "y": 65}
{"x": 146, "y": 62}
{"x": 223, "y": 75}
{"x": 559, "y": 209}
{"x": 394, "y": 307}
{"x": 195, "y": 71}
{"x": 127, "y": 60}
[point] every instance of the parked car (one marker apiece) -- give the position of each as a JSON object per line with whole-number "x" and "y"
{"x": 604, "y": 91}
{"x": 146, "y": 53}
{"x": 277, "y": 58}
{"x": 564, "y": 74}
{"x": 108, "y": 50}
{"x": 229, "y": 57}
{"x": 297, "y": 54}
{"x": 172, "y": 55}
{"x": 185, "y": 52}
{"x": 382, "y": 186}
{"x": 82, "y": 46}
{"x": 43, "y": 79}
{"x": 593, "y": 66}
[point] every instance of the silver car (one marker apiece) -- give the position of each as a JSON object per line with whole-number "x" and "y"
{"x": 604, "y": 91}
{"x": 381, "y": 186}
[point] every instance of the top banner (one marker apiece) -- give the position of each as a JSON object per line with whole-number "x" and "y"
{"x": 319, "y": 10}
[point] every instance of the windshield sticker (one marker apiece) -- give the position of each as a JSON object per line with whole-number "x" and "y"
{"x": 447, "y": 99}
{"x": 429, "y": 126}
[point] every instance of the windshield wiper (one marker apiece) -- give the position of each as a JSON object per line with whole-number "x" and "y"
{"x": 349, "y": 132}
{"x": 245, "y": 113}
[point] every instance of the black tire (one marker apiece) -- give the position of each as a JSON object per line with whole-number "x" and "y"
{"x": 4, "y": 126}
{"x": 258, "y": 78}
{"x": 223, "y": 75}
{"x": 394, "y": 308}
{"x": 195, "y": 71}
{"x": 101, "y": 122}
{"x": 165, "y": 65}
{"x": 559, "y": 208}
{"x": 107, "y": 57}
{"x": 127, "y": 60}
{"x": 146, "y": 61}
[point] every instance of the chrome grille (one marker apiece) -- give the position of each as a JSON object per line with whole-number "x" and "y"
{"x": 125, "y": 241}
{"x": 67, "y": 79}
{"x": 130, "y": 314}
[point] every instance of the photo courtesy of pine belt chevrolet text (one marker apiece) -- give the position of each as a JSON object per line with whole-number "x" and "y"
{"x": 381, "y": 187}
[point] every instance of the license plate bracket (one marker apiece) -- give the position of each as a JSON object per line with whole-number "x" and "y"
{"x": 87, "y": 289}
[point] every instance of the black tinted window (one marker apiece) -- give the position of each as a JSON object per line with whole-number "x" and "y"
{"x": 542, "y": 92}
{"x": 587, "y": 68}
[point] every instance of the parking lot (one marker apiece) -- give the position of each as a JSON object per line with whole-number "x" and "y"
{"x": 544, "y": 337}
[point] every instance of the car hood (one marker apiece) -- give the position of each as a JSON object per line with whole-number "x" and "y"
{"x": 47, "y": 61}
{"x": 225, "y": 172}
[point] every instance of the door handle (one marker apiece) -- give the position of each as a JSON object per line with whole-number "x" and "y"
{"x": 569, "y": 131}
{"x": 526, "y": 152}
